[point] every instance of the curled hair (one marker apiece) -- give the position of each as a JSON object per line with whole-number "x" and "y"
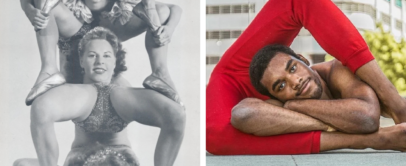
{"x": 260, "y": 62}
{"x": 73, "y": 68}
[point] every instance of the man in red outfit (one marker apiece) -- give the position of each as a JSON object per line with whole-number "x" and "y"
{"x": 278, "y": 23}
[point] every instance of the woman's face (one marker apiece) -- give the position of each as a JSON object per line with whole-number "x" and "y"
{"x": 96, "y": 5}
{"x": 98, "y": 61}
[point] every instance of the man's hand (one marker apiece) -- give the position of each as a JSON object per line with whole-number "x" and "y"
{"x": 37, "y": 18}
{"x": 162, "y": 36}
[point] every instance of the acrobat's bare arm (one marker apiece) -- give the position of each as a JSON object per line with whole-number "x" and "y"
{"x": 264, "y": 118}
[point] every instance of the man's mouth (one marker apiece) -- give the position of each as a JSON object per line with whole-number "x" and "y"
{"x": 303, "y": 87}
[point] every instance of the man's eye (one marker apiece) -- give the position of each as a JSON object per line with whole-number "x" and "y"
{"x": 91, "y": 55}
{"x": 107, "y": 56}
{"x": 282, "y": 85}
{"x": 293, "y": 69}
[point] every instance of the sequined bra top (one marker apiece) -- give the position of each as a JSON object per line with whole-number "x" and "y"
{"x": 103, "y": 118}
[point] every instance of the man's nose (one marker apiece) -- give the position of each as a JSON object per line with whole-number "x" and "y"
{"x": 296, "y": 82}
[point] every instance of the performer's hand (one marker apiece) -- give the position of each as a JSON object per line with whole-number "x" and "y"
{"x": 161, "y": 36}
{"x": 38, "y": 19}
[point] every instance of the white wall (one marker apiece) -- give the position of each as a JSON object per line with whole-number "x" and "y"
{"x": 228, "y": 2}
{"x": 370, "y": 2}
{"x": 218, "y": 47}
{"x": 233, "y": 21}
{"x": 20, "y": 64}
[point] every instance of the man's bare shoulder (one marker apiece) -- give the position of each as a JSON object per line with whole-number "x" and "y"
{"x": 323, "y": 69}
{"x": 331, "y": 70}
{"x": 342, "y": 82}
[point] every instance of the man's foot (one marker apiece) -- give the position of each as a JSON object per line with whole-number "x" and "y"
{"x": 159, "y": 85}
{"x": 390, "y": 138}
{"x": 52, "y": 81}
{"x": 397, "y": 112}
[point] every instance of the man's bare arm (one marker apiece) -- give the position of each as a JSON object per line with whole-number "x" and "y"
{"x": 356, "y": 112}
{"x": 265, "y": 118}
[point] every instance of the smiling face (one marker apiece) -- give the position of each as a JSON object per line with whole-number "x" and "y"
{"x": 288, "y": 78}
{"x": 96, "y": 5}
{"x": 98, "y": 61}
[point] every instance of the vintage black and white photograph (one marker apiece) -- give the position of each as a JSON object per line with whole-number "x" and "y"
{"x": 99, "y": 82}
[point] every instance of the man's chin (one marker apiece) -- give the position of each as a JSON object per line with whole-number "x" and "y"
{"x": 318, "y": 93}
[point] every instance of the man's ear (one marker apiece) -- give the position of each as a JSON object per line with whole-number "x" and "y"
{"x": 301, "y": 57}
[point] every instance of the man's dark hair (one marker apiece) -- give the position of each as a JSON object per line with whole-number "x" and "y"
{"x": 260, "y": 62}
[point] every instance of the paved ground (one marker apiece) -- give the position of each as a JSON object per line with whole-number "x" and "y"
{"x": 344, "y": 157}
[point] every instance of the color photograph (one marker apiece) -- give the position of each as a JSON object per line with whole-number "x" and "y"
{"x": 305, "y": 82}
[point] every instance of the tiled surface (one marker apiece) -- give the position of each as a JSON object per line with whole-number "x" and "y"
{"x": 347, "y": 158}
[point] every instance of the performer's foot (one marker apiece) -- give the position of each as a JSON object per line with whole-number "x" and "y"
{"x": 397, "y": 111}
{"x": 49, "y": 5}
{"x": 141, "y": 11}
{"x": 40, "y": 88}
{"x": 159, "y": 85}
{"x": 393, "y": 137}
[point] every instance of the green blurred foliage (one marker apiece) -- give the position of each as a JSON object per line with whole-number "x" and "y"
{"x": 390, "y": 55}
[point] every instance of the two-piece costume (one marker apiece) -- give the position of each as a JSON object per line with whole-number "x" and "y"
{"x": 278, "y": 22}
{"x": 102, "y": 119}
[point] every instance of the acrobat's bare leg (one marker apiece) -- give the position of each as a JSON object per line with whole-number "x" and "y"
{"x": 160, "y": 79}
{"x": 47, "y": 39}
{"x": 388, "y": 138}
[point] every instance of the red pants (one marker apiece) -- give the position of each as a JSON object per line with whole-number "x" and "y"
{"x": 278, "y": 22}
